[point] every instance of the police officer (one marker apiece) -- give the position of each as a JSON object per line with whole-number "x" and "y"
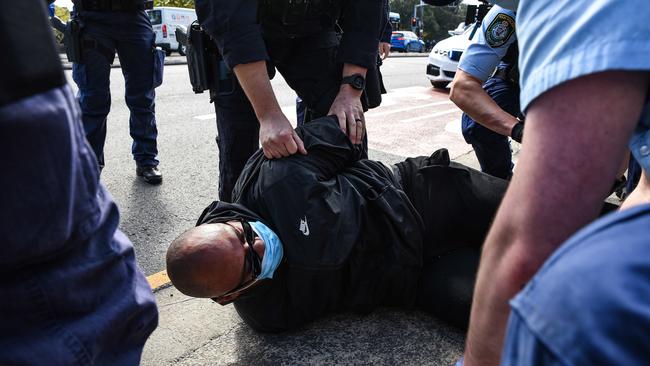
{"x": 72, "y": 293}
{"x": 298, "y": 38}
{"x": 486, "y": 88}
{"x": 108, "y": 26}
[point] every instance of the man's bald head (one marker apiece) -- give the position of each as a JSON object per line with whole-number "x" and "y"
{"x": 206, "y": 261}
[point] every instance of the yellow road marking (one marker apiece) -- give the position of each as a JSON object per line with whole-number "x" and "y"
{"x": 158, "y": 280}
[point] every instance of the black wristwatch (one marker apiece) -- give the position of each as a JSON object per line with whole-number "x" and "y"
{"x": 357, "y": 81}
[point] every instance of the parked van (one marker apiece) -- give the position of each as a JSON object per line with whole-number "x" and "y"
{"x": 164, "y": 20}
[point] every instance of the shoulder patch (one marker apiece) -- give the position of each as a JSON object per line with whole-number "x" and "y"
{"x": 500, "y": 30}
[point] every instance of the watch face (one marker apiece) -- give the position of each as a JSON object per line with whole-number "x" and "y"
{"x": 357, "y": 82}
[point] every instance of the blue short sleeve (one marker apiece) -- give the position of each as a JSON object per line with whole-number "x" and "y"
{"x": 495, "y": 37}
{"x": 589, "y": 303}
{"x": 563, "y": 40}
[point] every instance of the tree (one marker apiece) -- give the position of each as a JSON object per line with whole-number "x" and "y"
{"x": 436, "y": 20}
{"x": 62, "y": 13}
{"x": 175, "y": 3}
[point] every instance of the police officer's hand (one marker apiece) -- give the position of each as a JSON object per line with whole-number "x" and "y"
{"x": 349, "y": 111}
{"x": 278, "y": 137}
{"x": 384, "y": 50}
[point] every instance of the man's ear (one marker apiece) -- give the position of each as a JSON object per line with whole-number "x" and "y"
{"x": 228, "y": 299}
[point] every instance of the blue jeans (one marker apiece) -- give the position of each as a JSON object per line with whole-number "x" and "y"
{"x": 71, "y": 292}
{"x": 493, "y": 149}
{"x": 131, "y": 35}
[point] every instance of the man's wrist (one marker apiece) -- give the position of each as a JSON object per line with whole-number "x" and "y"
{"x": 348, "y": 89}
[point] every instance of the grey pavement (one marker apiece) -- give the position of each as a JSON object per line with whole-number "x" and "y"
{"x": 201, "y": 332}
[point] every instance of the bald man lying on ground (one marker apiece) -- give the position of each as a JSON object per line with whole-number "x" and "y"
{"x": 312, "y": 234}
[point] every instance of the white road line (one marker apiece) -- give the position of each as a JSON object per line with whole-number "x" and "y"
{"x": 384, "y": 113}
{"x": 432, "y": 115}
{"x": 205, "y": 117}
{"x": 289, "y": 111}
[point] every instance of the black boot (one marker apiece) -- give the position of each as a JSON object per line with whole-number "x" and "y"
{"x": 149, "y": 174}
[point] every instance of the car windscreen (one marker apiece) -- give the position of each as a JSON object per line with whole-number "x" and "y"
{"x": 155, "y": 16}
{"x": 397, "y": 35}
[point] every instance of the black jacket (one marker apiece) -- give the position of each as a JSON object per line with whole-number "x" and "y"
{"x": 236, "y": 27}
{"x": 352, "y": 240}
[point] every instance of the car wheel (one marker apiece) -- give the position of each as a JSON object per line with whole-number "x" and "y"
{"x": 439, "y": 84}
{"x": 182, "y": 49}
{"x": 168, "y": 53}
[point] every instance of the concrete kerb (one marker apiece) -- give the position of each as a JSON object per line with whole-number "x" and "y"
{"x": 182, "y": 60}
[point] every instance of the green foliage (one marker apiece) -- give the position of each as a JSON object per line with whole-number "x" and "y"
{"x": 175, "y": 3}
{"x": 436, "y": 20}
{"x": 62, "y": 13}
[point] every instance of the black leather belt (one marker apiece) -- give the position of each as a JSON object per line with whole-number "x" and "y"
{"x": 113, "y": 5}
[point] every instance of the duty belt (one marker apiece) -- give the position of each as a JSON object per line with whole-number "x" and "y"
{"x": 507, "y": 74}
{"x": 113, "y": 5}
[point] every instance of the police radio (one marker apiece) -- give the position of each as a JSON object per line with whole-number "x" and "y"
{"x": 475, "y": 14}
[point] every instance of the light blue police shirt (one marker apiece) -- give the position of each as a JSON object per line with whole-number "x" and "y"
{"x": 563, "y": 40}
{"x": 589, "y": 304}
{"x": 495, "y": 37}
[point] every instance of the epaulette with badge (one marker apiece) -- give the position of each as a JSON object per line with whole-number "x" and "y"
{"x": 500, "y": 30}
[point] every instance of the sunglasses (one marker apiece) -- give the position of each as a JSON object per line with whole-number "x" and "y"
{"x": 252, "y": 263}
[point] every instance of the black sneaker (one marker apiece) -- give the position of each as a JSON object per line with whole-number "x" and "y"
{"x": 149, "y": 174}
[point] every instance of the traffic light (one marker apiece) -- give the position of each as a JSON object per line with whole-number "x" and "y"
{"x": 414, "y": 22}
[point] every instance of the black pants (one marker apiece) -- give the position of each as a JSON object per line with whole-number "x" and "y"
{"x": 457, "y": 205}
{"x": 308, "y": 66}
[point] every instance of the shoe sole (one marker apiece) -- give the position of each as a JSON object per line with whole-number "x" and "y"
{"x": 149, "y": 180}
{"x": 152, "y": 180}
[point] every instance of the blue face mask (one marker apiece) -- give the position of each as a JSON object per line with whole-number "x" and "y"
{"x": 272, "y": 249}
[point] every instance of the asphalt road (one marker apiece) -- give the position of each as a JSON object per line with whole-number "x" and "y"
{"x": 413, "y": 120}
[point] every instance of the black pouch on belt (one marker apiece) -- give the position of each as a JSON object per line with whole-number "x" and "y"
{"x": 203, "y": 59}
{"x": 73, "y": 41}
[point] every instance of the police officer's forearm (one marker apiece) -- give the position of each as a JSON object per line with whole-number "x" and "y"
{"x": 351, "y": 69}
{"x": 254, "y": 79}
{"x": 468, "y": 94}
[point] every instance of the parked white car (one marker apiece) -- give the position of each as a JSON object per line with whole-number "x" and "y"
{"x": 443, "y": 59}
{"x": 165, "y": 20}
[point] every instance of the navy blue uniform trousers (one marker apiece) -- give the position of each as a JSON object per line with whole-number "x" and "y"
{"x": 71, "y": 292}
{"x": 130, "y": 34}
{"x": 493, "y": 149}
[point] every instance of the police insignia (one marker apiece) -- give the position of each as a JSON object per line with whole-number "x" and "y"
{"x": 500, "y": 30}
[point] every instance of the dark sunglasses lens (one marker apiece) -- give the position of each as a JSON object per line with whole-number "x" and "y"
{"x": 253, "y": 260}
{"x": 249, "y": 234}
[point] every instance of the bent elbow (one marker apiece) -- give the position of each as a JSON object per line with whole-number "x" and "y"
{"x": 458, "y": 93}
